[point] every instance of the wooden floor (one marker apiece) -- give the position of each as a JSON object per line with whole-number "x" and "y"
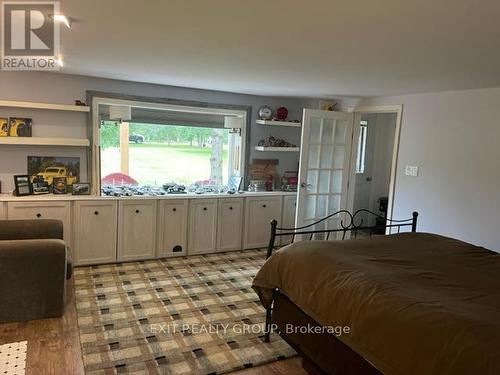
{"x": 54, "y": 346}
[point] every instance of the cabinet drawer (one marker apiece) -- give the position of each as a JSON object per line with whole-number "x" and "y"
{"x": 202, "y": 226}
{"x": 172, "y": 228}
{"x": 259, "y": 211}
{"x": 94, "y": 226}
{"x": 136, "y": 229}
{"x": 43, "y": 210}
{"x": 230, "y": 224}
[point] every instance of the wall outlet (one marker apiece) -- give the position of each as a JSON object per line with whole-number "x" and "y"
{"x": 411, "y": 170}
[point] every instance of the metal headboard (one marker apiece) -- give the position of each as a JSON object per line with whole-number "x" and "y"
{"x": 347, "y": 222}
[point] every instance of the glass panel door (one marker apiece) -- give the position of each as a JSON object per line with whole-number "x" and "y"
{"x": 324, "y": 166}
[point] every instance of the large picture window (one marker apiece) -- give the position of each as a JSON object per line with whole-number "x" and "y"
{"x": 156, "y": 146}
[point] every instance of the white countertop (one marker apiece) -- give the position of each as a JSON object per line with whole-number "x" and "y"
{"x": 69, "y": 197}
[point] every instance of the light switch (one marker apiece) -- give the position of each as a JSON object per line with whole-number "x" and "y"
{"x": 411, "y": 170}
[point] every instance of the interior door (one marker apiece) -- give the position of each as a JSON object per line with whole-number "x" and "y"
{"x": 324, "y": 166}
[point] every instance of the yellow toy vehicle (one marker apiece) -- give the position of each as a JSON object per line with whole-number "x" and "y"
{"x": 50, "y": 172}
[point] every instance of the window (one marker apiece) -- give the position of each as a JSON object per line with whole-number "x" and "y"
{"x": 156, "y": 146}
{"x": 361, "y": 156}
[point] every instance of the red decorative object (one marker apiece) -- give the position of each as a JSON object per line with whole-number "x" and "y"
{"x": 118, "y": 179}
{"x": 282, "y": 113}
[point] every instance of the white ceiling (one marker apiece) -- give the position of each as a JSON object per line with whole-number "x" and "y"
{"x": 313, "y": 48}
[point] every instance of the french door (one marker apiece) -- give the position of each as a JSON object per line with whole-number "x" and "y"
{"x": 324, "y": 166}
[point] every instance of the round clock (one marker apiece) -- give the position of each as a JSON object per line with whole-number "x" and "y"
{"x": 265, "y": 113}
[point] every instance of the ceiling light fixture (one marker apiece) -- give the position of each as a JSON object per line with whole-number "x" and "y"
{"x": 61, "y": 18}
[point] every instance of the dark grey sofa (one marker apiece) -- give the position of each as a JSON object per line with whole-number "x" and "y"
{"x": 33, "y": 269}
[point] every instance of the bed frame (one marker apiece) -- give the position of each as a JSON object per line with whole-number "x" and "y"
{"x": 348, "y": 226}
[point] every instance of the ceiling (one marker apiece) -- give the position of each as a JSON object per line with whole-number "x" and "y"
{"x": 314, "y": 48}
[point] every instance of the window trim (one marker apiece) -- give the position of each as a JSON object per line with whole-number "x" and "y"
{"x": 361, "y": 150}
{"x": 101, "y": 98}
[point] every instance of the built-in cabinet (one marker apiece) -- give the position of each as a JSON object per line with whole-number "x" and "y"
{"x": 203, "y": 226}
{"x": 136, "y": 229}
{"x": 230, "y": 224}
{"x": 259, "y": 212}
{"x": 59, "y": 210}
{"x": 95, "y": 230}
{"x": 172, "y": 228}
{"x": 106, "y": 230}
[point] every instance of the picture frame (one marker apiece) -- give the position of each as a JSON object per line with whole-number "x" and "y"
{"x": 59, "y": 185}
{"x": 39, "y": 185}
{"x": 20, "y": 127}
{"x": 81, "y": 188}
{"x": 23, "y": 185}
{"x": 234, "y": 183}
{"x": 4, "y": 127}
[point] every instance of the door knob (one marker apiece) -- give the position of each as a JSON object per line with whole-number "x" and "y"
{"x": 305, "y": 185}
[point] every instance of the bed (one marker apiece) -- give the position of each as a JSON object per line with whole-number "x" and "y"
{"x": 404, "y": 303}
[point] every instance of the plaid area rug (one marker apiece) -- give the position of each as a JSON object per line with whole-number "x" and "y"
{"x": 188, "y": 315}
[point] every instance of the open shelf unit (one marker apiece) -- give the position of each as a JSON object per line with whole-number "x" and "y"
{"x": 279, "y": 123}
{"x": 50, "y": 106}
{"x": 44, "y": 141}
{"x": 277, "y": 149}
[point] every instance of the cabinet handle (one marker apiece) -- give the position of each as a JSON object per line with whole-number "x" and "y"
{"x": 96, "y": 212}
{"x": 231, "y": 207}
{"x": 174, "y": 209}
{"x": 137, "y": 211}
{"x": 263, "y": 206}
{"x": 39, "y": 215}
{"x": 204, "y": 208}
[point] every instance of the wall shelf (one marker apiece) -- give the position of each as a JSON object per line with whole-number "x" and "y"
{"x": 43, "y": 141}
{"x": 277, "y": 149}
{"x": 50, "y": 106}
{"x": 279, "y": 123}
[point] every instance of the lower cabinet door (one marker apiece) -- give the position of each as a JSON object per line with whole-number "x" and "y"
{"x": 136, "y": 229}
{"x": 289, "y": 208}
{"x": 94, "y": 225}
{"x": 59, "y": 210}
{"x": 259, "y": 212}
{"x": 172, "y": 228}
{"x": 202, "y": 226}
{"x": 230, "y": 224}
{"x": 3, "y": 211}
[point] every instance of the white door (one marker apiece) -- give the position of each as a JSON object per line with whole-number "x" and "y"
{"x": 324, "y": 166}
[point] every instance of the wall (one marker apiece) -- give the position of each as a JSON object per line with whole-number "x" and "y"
{"x": 453, "y": 137}
{"x": 60, "y": 88}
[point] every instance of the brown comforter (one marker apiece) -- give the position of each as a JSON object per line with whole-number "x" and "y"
{"x": 415, "y": 303}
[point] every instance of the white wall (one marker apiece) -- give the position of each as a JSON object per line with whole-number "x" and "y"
{"x": 60, "y": 88}
{"x": 453, "y": 137}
